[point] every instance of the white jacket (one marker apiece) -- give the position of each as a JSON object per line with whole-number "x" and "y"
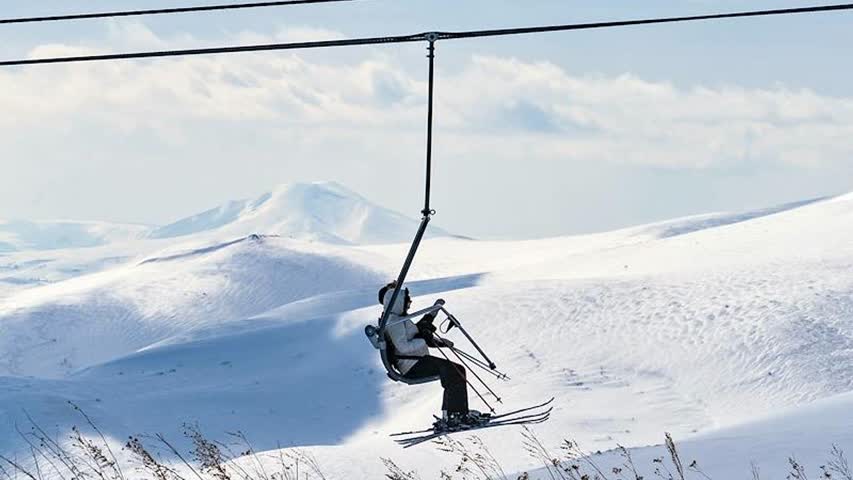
{"x": 402, "y": 333}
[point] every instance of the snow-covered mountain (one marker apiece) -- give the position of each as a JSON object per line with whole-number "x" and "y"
{"x": 324, "y": 211}
{"x": 321, "y": 211}
{"x": 734, "y": 332}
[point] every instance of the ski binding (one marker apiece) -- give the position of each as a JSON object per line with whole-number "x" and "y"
{"x": 521, "y": 416}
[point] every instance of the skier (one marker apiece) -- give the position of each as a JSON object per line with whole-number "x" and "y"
{"x": 411, "y": 344}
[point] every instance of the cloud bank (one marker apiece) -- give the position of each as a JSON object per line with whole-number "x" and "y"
{"x": 370, "y": 108}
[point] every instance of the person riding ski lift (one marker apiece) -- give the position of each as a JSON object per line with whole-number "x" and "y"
{"x": 411, "y": 343}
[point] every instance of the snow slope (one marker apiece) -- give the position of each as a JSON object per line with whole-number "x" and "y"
{"x": 698, "y": 326}
{"x": 805, "y": 434}
{"x": 62, "y": 328}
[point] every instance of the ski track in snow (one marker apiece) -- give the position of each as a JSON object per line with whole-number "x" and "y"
{"x": 696, "y": 327}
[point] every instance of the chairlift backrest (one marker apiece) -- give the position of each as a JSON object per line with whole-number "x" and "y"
{"x": 386, "y": 352}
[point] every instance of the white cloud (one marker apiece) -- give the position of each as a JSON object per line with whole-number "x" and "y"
{"x": 249, "y": 121}
{"x": 627, "y": 119}
{"x": 305, "y": 34}
{"x": 506, "y": 102}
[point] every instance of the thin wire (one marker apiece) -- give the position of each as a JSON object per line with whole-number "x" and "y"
{"x": 422, "y": 36}
{"x": 648, "y": 21}
{"x": 209, "y": 51}
{"x": 162, "y": 11}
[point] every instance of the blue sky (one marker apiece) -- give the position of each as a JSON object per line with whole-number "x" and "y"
{"x": 536, "y": 135}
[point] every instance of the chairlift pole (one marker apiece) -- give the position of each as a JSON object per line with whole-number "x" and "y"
{"x": 427, "y": 212}
{"x": 432, "y": 37}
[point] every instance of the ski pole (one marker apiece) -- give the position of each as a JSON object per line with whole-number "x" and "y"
{"x": 479, "y": 363}
{"x": 476, "y": 361}
{"x": 486, "y": 385}
{"x": 461, "y": 360}
{"x": 465, "y": 332}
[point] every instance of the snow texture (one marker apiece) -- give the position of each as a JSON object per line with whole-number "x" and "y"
{"x": 734, "y": 332}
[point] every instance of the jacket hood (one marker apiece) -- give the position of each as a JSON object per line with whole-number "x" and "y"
{"x": 400, "y": 305}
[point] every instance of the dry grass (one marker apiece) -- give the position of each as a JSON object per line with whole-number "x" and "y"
{"x": 89, "y": 456}
{"x": 86, "y": 454}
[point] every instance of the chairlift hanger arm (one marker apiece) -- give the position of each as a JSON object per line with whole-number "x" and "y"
{"x": 427, "y": 211}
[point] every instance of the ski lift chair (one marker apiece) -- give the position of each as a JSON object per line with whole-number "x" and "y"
{"x": 383, "y": 344}
{"x": 395, "y": 375}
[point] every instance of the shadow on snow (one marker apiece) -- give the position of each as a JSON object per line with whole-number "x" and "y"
{"x": 285, "y": 382}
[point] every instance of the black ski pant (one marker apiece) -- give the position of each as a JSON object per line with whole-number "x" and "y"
{"x": 452, "y": 379}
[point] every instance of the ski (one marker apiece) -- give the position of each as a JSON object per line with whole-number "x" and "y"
{"x": 491, "y": 419}
{"x": 411, "y": 432}
{"x": 531, "y": 418}
{"x": 536, "y": 419}
{"x": 521, "y": 410}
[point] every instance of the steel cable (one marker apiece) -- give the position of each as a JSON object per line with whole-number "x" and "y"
{"x": 423, "y": 36}
{"x": 162, "y": 11}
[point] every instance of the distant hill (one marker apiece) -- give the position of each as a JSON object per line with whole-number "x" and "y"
{"x": 19, "y": 235}
{"x": 323, "y": 211}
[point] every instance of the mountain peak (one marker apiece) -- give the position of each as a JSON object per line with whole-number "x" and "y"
{"x": 324, "y": 211}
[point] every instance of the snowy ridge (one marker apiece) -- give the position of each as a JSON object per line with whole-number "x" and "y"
{"x": 323, "y": 211}
{"x": 208, "y": 220}
{"x": 319, "y": 211}
{"x": 115, "y": 313}
{"x": 683, "y": 226}
{"x": 22, "y": 235}
{"x": 697, "y": 327}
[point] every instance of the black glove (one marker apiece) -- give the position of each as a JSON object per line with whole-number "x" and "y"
{"x": 444, "y": 343}
{"x": 425, "y": 325}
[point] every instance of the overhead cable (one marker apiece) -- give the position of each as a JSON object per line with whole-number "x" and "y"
{"x": 162, "y": 11}
{"x": 648, "y": 21}
{"x": 427, "y": 36}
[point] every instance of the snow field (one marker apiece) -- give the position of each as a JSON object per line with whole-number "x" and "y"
{"x": 700, "y": 327}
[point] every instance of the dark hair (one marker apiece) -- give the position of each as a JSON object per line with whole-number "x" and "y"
{"x": 384, "y": 290}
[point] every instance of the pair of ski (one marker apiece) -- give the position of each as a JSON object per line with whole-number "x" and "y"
{"x": 523, "y": 416}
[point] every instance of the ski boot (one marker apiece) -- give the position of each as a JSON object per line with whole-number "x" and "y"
{"x": 476, "y": 419}
{"x": 457, "y": 421}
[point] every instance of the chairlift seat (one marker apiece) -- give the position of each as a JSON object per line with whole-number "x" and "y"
{"x": 383, "y": 345}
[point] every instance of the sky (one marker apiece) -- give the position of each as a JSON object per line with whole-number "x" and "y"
{"x": 536, "y": 135}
